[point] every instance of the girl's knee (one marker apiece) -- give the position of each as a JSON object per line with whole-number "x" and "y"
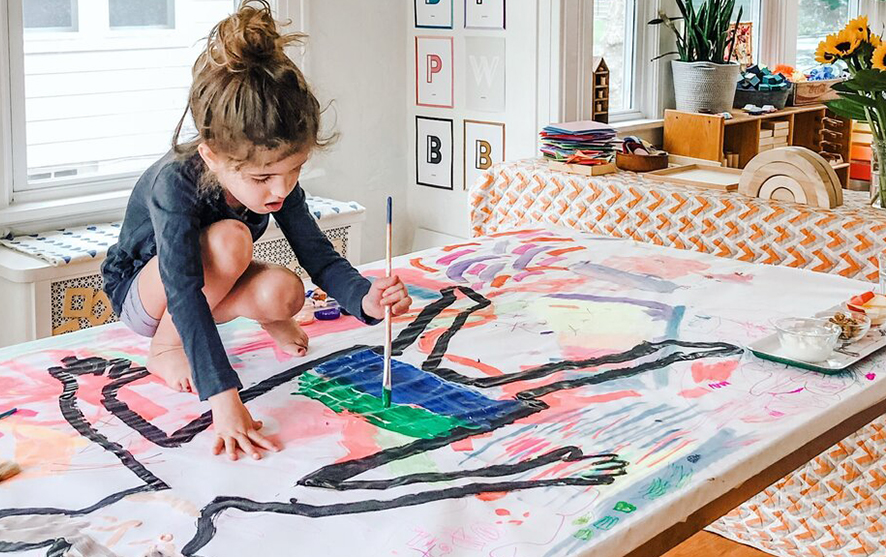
{"x": 281, "y": 294}
{"x": 228, "y": 246}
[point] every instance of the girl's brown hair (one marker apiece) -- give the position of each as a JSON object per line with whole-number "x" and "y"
{"x": 247, "y": 93}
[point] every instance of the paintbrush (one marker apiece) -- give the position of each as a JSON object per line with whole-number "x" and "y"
{"x": 386, "y": 377}
{"x": 8, "y": 413}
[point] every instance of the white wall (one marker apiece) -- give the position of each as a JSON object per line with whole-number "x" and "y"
{"x": 445, "y": 211}
{"x": 357, "y": 56}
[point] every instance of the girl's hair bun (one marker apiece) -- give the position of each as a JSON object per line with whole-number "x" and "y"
{"x": 247, "y": 38}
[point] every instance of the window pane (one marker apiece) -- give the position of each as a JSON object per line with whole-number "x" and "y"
{"x": 104, "y": 102}
{"x": 141, "y": 13}
{"x": 49, "y": 14}
{"x": 746, "y": 7}
{"x": 816, "y": 19}
{"x": 613, "y": 40}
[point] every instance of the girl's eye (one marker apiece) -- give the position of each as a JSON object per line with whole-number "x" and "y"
{"x": 262, "y": 180}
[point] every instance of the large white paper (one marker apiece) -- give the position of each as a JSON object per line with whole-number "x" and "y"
{"x": 554, "y": 394}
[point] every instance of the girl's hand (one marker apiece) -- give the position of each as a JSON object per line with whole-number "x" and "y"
{"x": 386, "y": 292}
{"x": 235, "y": 429}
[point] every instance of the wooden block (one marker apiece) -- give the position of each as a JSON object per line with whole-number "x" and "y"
{"x": 8, "y": 469}
{"x": 775, "y": 125}
{"x": 766, "y": 140}
{"x": 764, "y": 133}
{"x": 780, "y": 132}
{"x": 860, "y": 152}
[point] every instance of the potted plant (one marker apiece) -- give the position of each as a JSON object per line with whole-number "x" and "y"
{"x": 704, "y": 75}
{"x": 863, "y": 95}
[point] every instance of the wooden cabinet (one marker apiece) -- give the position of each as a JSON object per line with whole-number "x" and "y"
{"x": 710, "y": 136}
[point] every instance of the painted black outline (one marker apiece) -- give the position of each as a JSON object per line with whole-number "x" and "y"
{"x": 606, "y": 467}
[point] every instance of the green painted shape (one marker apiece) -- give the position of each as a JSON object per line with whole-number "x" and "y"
{"x": 625, "y": 507}
{"x": 606, "y": 522}
{"x": 584, "y": 534}
{"x": 581, "y": 521}
{"x": 409, "y": 420}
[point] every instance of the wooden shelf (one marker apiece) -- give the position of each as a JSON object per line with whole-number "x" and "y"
{"x": 710, "y": 136}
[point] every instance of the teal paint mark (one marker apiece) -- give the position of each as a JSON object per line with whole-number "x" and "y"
{"x": 606, "y": 523}
{"x": 625, "y": 507}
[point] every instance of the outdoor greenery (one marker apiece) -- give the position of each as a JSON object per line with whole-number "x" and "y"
{"x": 705, "y": 34}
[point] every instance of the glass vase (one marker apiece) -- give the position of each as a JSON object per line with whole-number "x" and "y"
{"x": 878, "y": 172}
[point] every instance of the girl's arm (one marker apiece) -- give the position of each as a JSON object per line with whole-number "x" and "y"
{"x": 175, "y": 216}
{"x": 329, "y": 270}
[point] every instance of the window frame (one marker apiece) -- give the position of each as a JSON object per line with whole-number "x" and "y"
{"x": 75, "y": 11}
{"x": 69, "y": 201}
{"x": 170, "y": 24}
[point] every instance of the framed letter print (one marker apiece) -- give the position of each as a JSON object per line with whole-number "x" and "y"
{"x": 433, "y": 72}
{"x": 433, "y": 14}
{"x": 485, "y": 73}
{"x": 433, "y": 152}
{"x": 485, "y": 14}
{"x": 484, "y": 146}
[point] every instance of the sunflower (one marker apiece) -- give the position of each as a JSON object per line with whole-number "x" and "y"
{"x": 875, "y": 40}
{"x": 848, "y": 40}
{"x": 878, "y": 60}
{"x": 827, "y": 52}
{"x": 859, "y": 25}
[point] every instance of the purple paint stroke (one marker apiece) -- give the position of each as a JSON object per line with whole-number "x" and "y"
{"x": 500, "y": 247}
{"x": 453, "y": 256}
{"x": 455, "y": 272}
{"x": 658, "y": 311}
{"x": 527, "y": 256}
{"x": 636, "y": 281}
{"x": 492, "y": 271}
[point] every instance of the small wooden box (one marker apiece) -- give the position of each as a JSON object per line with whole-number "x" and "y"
{"x": 814, "y": 92}
{"x": 583, "y": 170}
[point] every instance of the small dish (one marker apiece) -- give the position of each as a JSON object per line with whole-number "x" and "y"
{"x": 854, "y": 324}
{"x": 806, "y": 339}
{"x": 871, "y": 304}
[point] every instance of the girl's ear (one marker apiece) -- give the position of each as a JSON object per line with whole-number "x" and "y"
{"x": 212, "y": 160}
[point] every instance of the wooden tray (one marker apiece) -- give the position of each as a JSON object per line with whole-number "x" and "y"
{"x": 583, "y": 170}
{"x": 641, "y": 163}
{"x": 699, "y": 176}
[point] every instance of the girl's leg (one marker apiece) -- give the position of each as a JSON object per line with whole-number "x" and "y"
{"x": 226, "y": 247}
{"x": 271, "y": 295}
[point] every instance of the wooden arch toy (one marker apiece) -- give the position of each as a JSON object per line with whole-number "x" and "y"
{"x": 792, "y": 174}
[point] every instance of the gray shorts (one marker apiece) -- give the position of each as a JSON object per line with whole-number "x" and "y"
{"x": 134, "y": 314}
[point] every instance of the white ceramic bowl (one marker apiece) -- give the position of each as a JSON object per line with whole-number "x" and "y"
{"x": 807, "y": 340}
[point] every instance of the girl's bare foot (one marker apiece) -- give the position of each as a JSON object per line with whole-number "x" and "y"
{"x": 169, "y": 362}
{"x": 289, "y": 336}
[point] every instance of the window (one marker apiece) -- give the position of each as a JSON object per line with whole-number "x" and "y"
{"x": 52, "y": 15}
{"x": 815, "y": 20}
{"x": 141, "y": 13}
{"x": 614, "y": 24}
{"x": 100, "y": 101}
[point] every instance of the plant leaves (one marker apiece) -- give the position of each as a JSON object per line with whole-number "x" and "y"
{"x": 847, "y": 109}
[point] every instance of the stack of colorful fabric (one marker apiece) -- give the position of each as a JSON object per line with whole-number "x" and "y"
{"x": 586, "y": 142}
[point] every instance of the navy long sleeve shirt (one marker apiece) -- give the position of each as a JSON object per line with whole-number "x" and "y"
{"x": 166, "y": 214}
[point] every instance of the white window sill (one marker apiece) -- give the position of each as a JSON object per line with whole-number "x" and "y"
{"x": 640, "y": 124}
{"x": 40, "y": 215}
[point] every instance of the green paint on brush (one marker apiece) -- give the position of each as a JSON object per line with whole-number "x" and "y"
{"x": 413, "y": 421}
{"x": 386, "y": 397}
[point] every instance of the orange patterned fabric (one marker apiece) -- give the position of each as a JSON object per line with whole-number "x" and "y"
{"x": 833, "y": 506}
{"x": 843, "y": 241}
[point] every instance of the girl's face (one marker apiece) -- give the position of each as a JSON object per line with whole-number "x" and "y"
{"x": 262, "y": 184}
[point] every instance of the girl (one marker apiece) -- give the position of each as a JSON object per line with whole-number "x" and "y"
{"x": 183, "y": 260}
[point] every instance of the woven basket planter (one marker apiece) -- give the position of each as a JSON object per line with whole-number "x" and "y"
{"x": 704, "y": 86}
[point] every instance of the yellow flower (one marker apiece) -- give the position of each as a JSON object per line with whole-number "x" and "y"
{"x": 827, "y": 50}
{"x": 860, "y": 26}
{"x": 878, "y": 60}
{"x": 847, "y": 42}
{"x": 875, "y": 40}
